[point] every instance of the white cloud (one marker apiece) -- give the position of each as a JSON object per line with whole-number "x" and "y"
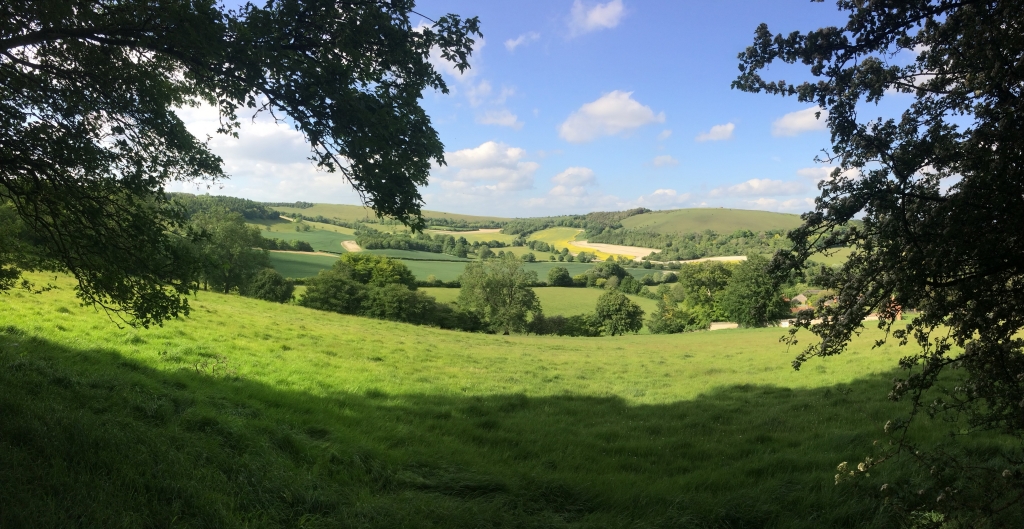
{"x": 664, "y": 134}
{"x": 503, "y": 118}
{"x": 478, "y": 93}
{"x": 799, "y": 122}
{"x": 717, "y": 133}
{"x": 268, "y": 161}
{"x": 601, "y": 16}
{"x": 575, "y": 176}
{"x": 817, "y": 174}
{"x": 763, "y": 187}
{"x": 662, "y": 198}
{"x": 612, "y": 113}
{"x": 664, "y": 161}
{"x": 490, "y": 169}
{"x": 525, "y": 38}
{"x": 793, "y": 204}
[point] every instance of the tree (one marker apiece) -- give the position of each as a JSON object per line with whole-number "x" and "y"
{"x": 229, "y": 248}
{"x": 618, "y": 314}
{"x": 269, "y": 285}
{"x": 702, "y": 285}
{"x": 940, "y": 188}
{"x": 499, "y": 291}
{"x": 376, "y": 270}
{"x": 89, "y": 137}
{"x": 334, "y": 290}
{"x": 752, "y": 297}
{"x": 671, "y": 318}
{"x": 484, "y": 252}
{"x": 559, "y": 277}
{"x": 397, "y": 303}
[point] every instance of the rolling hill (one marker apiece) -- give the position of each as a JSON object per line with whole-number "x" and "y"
{"x": 720, "y": 220}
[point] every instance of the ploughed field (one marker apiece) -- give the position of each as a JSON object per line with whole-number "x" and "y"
{"x": 253, "y": 414}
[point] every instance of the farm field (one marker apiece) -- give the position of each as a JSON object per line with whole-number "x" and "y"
{"x": 835, "y": 257}
{"x": 564, "y": 238}
{"x": 483, "y": 237}
{"x": 297, "y": 265}
{"x": 249, "y": 413}
{"x": 360, "y": 213}
{"x": 556, "y": 301}
{"x": 322, "y": 237}
{"x": 720, "y": 220}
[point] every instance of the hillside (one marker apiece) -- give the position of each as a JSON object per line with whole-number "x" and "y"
{"x": 720, "y": 220}
{"x": 351, "y": 213}
{"x": 252, "y": 414}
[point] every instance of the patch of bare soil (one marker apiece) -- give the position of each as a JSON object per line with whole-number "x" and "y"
{"x": 351, "y": 246}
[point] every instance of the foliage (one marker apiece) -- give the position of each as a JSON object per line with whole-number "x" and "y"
{"x": 559, "y": 277}
{"x": 752, "y": 298}
{"x": 671, "y": 317}
{"x": 334, "y": 290}
{"x": 695, "y": 245}
{"x": 499, "y": 291}
{"x": 940, "y": 188}
{"x": 269, "y": 285}
{"x": 618, "y": 314}
{"x": 701, "y": 286}
{"x": 194, "y": 204}
{"x": 578, "y": 325}
{"x": 376, "y": 270}
{"x": 229, "y": 253}
{"x": 91, "y": 137}
{"x": 395, "y": 302}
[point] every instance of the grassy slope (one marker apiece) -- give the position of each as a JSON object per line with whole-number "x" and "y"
{"x": 322, "y": 420}
{"x": 300, "y": 265}
{"x": 716, "y": 219}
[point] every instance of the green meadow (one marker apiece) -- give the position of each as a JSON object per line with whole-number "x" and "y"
{"x": 299, "y": 265}
{"x": 721, "y": 220}
{"x": 252, "y": 414}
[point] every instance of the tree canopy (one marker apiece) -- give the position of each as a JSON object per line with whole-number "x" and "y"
{"x": 89, "y": 136}
{"x": 940, "y": 189}
{"x": 500, "y": 292}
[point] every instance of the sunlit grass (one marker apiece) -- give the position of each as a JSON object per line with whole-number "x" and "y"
{"x": 252, "y": 414}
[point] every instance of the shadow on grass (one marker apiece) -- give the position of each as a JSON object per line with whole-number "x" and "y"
{"x": 89, "y": 438}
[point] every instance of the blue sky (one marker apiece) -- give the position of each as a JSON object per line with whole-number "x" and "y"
{"x": 575, "y": 106}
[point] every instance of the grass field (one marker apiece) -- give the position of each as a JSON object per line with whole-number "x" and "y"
{"x": 251, "y": 414}
{"x": 563, "y": 238}
{"x": 720, "y": 220}
{"x": 300, "y": 265}
{"x": 323, "y": 237}
{"x": 835, "y": 257}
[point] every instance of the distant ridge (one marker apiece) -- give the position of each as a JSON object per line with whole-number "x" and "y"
{"x": 721, "y": 220}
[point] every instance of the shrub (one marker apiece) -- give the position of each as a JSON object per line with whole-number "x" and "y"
{"x": 618, "y": 314}
{"x": 396, "y": 302}
{"x": 334, "y": 290}
{"x": 559, "y": 277}
{"x": 269, "y": 285}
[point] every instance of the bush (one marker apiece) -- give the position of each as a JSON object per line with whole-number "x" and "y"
{"x": 618, "y": 314}
{"x": 529, "y": 257}
{"x": 559, "y": 277}
{"x": 396, "y": 302}
{"x": 584, "y": 325}
{"x": 334, "y": 290}
{"x": 269, "y": 285}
